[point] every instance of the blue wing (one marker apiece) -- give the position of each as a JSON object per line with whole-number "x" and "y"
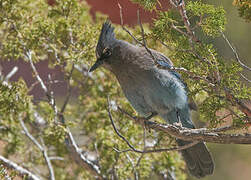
{"x": 166, "y": 64}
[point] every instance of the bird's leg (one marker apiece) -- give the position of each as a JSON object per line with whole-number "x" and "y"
{"x": 142, "y": 120}
{"x": 178, "y": 123}
{"x": 151, "y": 116}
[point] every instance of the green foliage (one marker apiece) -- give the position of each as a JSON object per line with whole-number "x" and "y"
{"x": 147, "y": 4}
{"x": 244, "y": 7}
{"x": 4, "y": 173}
{"x": 65, "y": 34}
{"x": 201, "y": 58}
{"x": 14, "y": 104}
{"x": 212, "y": 19}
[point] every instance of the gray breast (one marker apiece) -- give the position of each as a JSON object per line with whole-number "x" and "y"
{"x": 134, "y": 84}
{"x": 151, "y": 90}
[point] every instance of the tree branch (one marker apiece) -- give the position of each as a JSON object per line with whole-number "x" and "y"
{"x": 41, "y": 148}
{"x": 11, "y": 73}
{"x": 132, "y": 148}
{"x": 21, "y": 171}
{"x": 77, "y": 155}
{"x": 235, "y": 52}
{"x": 135, "y": 172}
{"x": 202, "y": 134}
{"x": 122, "y": 24}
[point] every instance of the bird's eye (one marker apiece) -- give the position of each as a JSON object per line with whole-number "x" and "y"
{"x": 106, "y": 52}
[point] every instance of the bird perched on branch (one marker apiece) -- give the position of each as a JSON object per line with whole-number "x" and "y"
{"x": 152, "y": 90}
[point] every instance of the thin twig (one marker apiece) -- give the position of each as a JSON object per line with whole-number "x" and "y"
{"x": 56, "y": 158}
{"x": 222, "y": 129}
{"x": 135, "y": 172}
{"x": 143, "y": 37}
{"x": 235, "y": 52}
{"x": 182, "y": 10}
{"x": 11, "y": 73}
{"x": 144, "y": 149}
{"x": 42, "y": 148}
{"x": 244, "y": 77}
{"x": 122, "y": 24}
{"x": 45, "y": 89}
{"x": 179, "y": 30}
{"x": 69, "y": 90}
{"x": 46, "y": 83}
{"x": 33, "y": 140}
{"x": 29, "y": 57}
{"x": 76, "y": 153}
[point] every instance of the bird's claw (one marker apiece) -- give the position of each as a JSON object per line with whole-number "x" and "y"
{"x": 143, "y": 120}
{"x": 178, "y": 124}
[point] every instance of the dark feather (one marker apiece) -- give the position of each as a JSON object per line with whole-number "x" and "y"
{"x": 106, "y": 37}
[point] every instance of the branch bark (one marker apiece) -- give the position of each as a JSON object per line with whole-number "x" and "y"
{"x": 77, "y": 155}
{"x": 41, "y": 148}
{"x": 21, "y": 171}
{"x": 144, "y": 151}
{"x": 202, "y": 134}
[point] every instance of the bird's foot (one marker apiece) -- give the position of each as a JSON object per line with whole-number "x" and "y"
{"x": 143, "y": 120}
{"x": 151, "y": 116}
{"x": 178, "y": 124}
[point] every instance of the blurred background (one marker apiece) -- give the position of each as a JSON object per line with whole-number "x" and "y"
{"x": 233, "y": 162}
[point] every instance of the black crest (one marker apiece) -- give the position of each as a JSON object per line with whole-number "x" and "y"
{"x": 106, "y": 37}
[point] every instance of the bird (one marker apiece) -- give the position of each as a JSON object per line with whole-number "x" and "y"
{"x": 152, "y": 90}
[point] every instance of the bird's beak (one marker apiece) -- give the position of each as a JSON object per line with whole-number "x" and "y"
{"x": 96, "y": 65}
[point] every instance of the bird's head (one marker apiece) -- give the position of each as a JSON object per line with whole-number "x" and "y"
{"x": 105, "y": 46}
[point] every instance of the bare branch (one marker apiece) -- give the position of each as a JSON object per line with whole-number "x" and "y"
{"x": 143, "y": 37}
{"x": 41, "y": 148}
{"x": 122, "y": 24}
{"x": 69, "y": 90}
{"x": 179, "y": 30}
{"x": 56, "y": 158}
{"x": 135, "y": 172}
{"x": 29, "y": 57}
{"x": 37, "y": 82}
{"x": 48, "y": 94}
{"x": 11, "y": 73}
{"x": 235, "y": 52}
{"x": 21, "y": 171}
{"x": 182, "y": 10}
{"x": 244, "y": 77}
{"x": 202, "y": 134}
{"x": 241, "y": 105}
{"x": 76, "y": 153}
{"x": 26, "y": 132}
{"x": 144, "y": 148}
{"x": 48, "y": 161}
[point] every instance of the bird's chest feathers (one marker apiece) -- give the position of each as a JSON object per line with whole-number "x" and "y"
{"x": 149, "y": 91}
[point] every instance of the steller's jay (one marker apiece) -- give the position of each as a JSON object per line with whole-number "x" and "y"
{"x": 152, "y": 90}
